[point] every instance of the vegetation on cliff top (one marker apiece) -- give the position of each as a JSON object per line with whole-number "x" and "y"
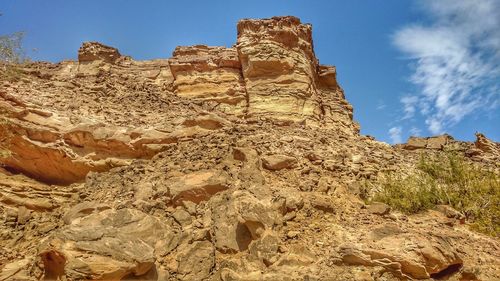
{"x": 11, "y": 55}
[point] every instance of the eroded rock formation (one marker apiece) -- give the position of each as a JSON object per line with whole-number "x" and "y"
{"x": 239, "y": 163}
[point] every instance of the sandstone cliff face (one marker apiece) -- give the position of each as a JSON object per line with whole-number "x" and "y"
{"x": 282, "y": 75}
{"x": 239, "y": 163}
{"x": 278, "y": 65}
{"x": 272, "y": 74}
{"x": 209, "y": 73}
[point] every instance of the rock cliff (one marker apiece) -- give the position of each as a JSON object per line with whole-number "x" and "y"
{"x": 240, "y": 163}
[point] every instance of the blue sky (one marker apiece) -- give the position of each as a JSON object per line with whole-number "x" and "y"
{"x": 408, "y": 67}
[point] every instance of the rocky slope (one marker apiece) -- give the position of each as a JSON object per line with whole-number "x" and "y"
{"x": 239, "y": 163}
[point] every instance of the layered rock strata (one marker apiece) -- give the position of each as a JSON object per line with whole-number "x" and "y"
{"x": 271, "y": 74}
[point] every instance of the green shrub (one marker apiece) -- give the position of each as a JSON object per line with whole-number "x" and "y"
{"x": 450, "y": 180}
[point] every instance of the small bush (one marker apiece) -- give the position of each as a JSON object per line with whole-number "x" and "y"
{"x": 11, "y": 51}
{"x": 12, "y": 56}
{"x": 453, "y": 181}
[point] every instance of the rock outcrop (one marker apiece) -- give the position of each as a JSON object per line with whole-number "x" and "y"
{"x": 240, "y": 163}
{"x": 485, "y": 149}
{"x": 436, "y": 142}
{"x": 92, "y": 51}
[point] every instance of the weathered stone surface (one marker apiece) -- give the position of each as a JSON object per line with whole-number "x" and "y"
{"x": 320, "y": 202}
{"x": 198, "y": 186}
{"x": 91, "y": 51}
{"x": 23, "y": 215}
{"x": 182, "y": 217}
{"x": 196, "y": 261}
{"x": 51, "y": 148}
{"x": 411, "y": 256}
{"x": 416, "y": 143}
{"x": 436, "y": 142}
{"x": 379, "y": 208}
{"x": 83, "y": 209}
{"x": 245, "y": 154}
{"x": 265, "y": 249}
{"x": 16, "y": 270}
{"x": 107, "y": 245}
{"x": 239, "y": 219}
{"x": 271, "y": 73}
{"x": 278, "y": 162}
{"x": 486, "y": 145}
{"x": 22, "y": 192}
{"x": 282, "y": 76}
{"x": 278, "y": 66}
{"x": 484, "y": 149}
{"x": 209, "y": 74}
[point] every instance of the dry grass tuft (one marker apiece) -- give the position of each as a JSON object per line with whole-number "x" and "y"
{"x": 451, "y": 180}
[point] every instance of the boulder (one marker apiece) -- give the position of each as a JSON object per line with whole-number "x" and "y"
{"x": 278, "y": 162}
{"x": 378, "y": 208}
{"x": 197, "y": 186}
{"x": 238, "y": 219}
{"x": 265, "y": 249}
{"x": 321, "y": 202}
{"x": 195, "y": 261}
{"x": 245, "y": 154}
{"x": 109, "y": 245}
{"x": 182, "y": 217}
{"x": 407, "y": 255}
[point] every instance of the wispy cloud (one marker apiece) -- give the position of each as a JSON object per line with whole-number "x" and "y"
{"x": 381, "y": 105}
{"x": 414, "y": 131}
{"x": 456, "y": 60}
{"x": 410, "y": 104}
{"x": 395, "y": 134}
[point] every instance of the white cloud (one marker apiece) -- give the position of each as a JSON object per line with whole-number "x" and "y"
{"x": 409, "y": 105}
{"x": 414, "y": 131}
{"x": 381, "y": 105}
{"x": 395, "y": 134}
{"x": 457, "y": 61}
